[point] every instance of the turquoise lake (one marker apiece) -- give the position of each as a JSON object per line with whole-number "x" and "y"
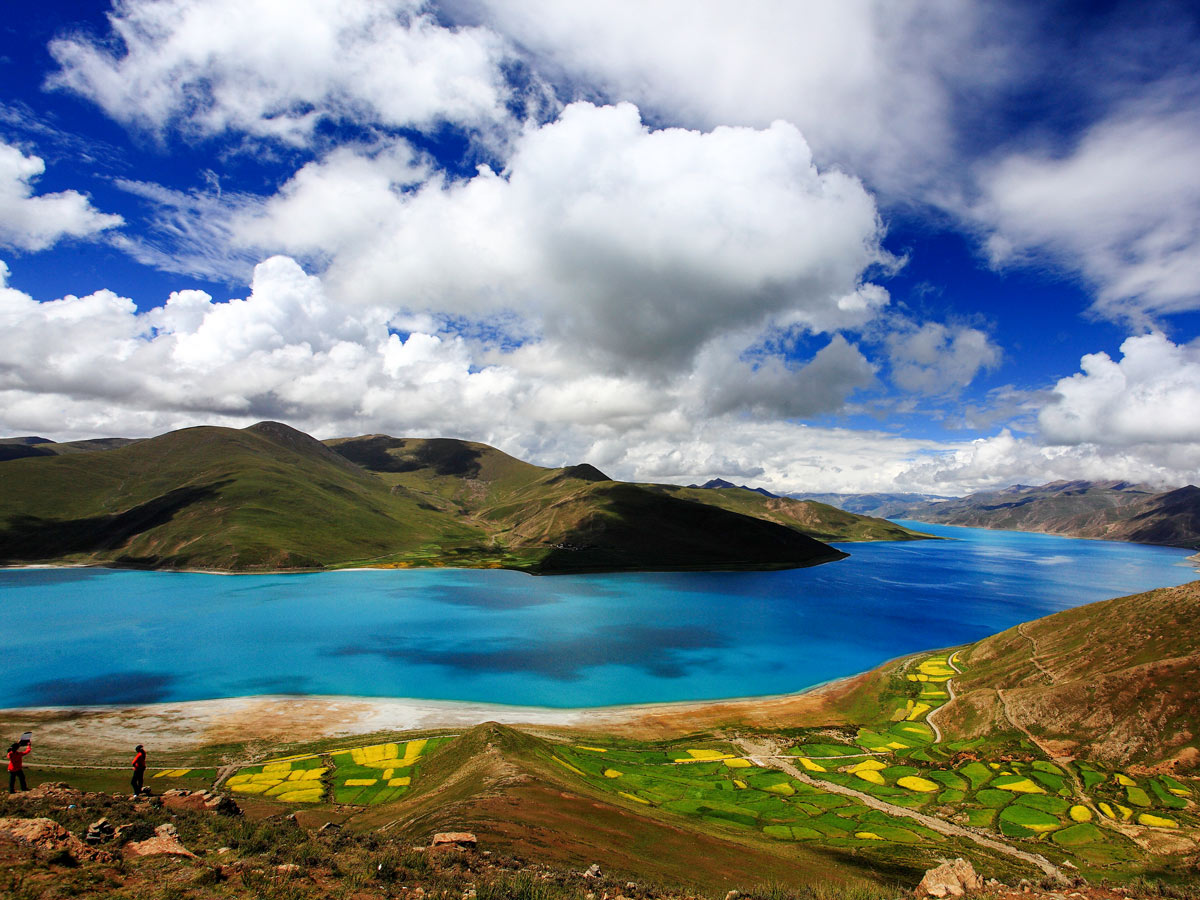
{"x": 97, "y": 636}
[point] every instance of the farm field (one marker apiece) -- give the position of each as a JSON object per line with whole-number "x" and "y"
{"x": 359, "y": 776}
{"x": 1063, "y": 811}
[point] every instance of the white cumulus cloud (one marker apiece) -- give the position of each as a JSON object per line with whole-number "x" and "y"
{"x": 30, "y": 221}
{"x": 871, "y": 83}
{"x": 274, "y": 69}
{"x": 632, "y": 247}
{"x": 1151, "y": 395}
{"x": 1122, "y": 206}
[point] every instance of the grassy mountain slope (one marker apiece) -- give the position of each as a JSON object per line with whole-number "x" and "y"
{"x": 270, "y": 497}
{"x": 576, "y": 518}
{"x": 1117, "y": 681}
{"x": 267, "y": 497}
{"x": 1115, "y": 511}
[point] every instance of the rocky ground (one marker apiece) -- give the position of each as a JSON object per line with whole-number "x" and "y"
{"x": 56, "y": 841}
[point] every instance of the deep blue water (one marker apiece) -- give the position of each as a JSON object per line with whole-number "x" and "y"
{"x": 83, "y": 636}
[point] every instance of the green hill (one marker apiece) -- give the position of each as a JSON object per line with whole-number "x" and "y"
{"x": 576, "y": 519}
{"x": 269, "y": 497}
{"x": 1116, "y": 681}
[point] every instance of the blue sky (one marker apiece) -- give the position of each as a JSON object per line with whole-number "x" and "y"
{"x": 814, "y": 246}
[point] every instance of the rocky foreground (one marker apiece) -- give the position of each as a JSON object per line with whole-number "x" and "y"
{"x": 56, "y": 841}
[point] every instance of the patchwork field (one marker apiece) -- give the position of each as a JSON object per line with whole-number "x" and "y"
{"x": 1100, "y": 819}
{"x": 359, "y": 776}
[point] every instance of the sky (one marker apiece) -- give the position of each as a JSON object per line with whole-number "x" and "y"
{"x": 935, "y": 246}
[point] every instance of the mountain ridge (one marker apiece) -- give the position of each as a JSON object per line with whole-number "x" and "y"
{"x": 1107, "y": 510}
{"x": 270, "y": 497}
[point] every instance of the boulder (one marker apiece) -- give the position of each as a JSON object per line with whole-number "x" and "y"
{"x": 593, "y": 871}
{"x": 953, "y": 878}
{"x": 164, "y": 843}
{"x": 463, "y": 839}
{"x": 48, "y": 837}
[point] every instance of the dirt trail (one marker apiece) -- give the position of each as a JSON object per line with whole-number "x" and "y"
{"x": 1033, "y": 657}
{"x": 767, "y": 754}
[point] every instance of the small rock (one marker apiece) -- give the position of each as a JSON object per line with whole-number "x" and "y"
{"x": 593, "y": 871}
{"x": 164, "y": 843}
{"x": 288, "y": 869}
{"x": 99, "y": 831}
{"x": 950, "y": 879}
{"x": 462, "y": 839}
{"x": 222, "y": 805}
{"x": 631, "y": 885}
{"x": 332, "y": 828}
{"x": 733, "y": 895}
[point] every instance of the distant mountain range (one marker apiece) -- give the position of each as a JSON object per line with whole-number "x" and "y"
{"x": 877, "y": 504}
{"x": 270, "y": 497}
{"x": 1109, "y": 510}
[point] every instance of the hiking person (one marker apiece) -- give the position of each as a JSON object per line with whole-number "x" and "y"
{"x": 139, "y": 770}
{"x": 16, "y": 764}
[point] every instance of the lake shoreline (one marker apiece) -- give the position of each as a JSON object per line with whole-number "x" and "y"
{"x": 188, "y": 726}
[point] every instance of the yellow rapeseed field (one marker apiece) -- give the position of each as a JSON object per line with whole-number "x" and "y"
{"x": 914, "y": 783}
{"x": 709, "y": 754}
{"x": 1156, "y": 821}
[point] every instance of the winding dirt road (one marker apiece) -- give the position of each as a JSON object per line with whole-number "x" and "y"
{"x": 937, "y": 732}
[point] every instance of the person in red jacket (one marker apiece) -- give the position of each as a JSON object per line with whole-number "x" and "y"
{"x": 139, "y": 769}
{"x": 16, "y": 765}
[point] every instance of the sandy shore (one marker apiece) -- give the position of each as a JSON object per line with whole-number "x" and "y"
{"x": 71, "y": 734}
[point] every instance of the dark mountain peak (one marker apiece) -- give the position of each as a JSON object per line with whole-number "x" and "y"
{"x": 1187, "y": 492}
{"x": 720, "y": 484}
{"x": 26, "y": 441}
{"x": 585, "y": 472}
{"x": 295, "y": 440}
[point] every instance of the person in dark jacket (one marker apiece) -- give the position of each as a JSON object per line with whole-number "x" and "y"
{"x": 16, "y": 765}
{"x": 139, "y": 769}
